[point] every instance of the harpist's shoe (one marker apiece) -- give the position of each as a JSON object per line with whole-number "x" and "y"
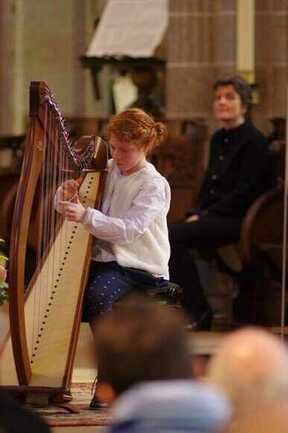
{"x": 96, "y": 404}
{"x": 170, "y": 293}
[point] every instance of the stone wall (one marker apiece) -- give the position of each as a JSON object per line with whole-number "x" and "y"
{"x": 271, "y": 59}
{"x": 201, "y": 46}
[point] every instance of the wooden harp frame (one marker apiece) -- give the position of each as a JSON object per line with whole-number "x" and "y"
{"x": 86, "y": 164}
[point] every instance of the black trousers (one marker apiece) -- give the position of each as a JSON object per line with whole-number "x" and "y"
{"x": 208, "y": 232}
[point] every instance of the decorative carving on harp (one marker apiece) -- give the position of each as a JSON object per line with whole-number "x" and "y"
{"x": 45, "y": 313}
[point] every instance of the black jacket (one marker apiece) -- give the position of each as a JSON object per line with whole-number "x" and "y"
{"x": 240, "y": 169}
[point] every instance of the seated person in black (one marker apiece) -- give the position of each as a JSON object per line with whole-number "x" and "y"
{"x": 239, "y": 170}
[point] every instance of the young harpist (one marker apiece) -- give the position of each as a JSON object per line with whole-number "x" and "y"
{"x": 131, "y": 247}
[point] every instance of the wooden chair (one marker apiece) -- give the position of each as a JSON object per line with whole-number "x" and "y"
{"x": 254, "y": 266}
{"x": 261, "y": 249}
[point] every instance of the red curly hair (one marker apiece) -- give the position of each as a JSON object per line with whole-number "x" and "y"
{"x": 136, "y": 126}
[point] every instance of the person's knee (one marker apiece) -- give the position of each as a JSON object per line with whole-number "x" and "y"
{"x": 183, "y": 233}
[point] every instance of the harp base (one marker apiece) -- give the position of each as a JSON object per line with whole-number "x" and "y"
{"x": 38, "y": 396}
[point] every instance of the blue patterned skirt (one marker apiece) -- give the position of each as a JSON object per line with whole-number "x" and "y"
{"x": 108, "y": 282}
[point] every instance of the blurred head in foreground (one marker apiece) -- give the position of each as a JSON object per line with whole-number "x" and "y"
{"x": 265, "y": 418}
{"x": 140, "y": 341}
{"x": 251, "y": 366}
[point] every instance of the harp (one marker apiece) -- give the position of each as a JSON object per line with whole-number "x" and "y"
{"x": 45, "y": 311}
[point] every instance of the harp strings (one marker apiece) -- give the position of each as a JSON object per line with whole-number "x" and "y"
{"x": 55, "y": 171}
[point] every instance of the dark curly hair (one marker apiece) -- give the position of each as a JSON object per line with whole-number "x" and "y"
{"x": 241, "y": 86}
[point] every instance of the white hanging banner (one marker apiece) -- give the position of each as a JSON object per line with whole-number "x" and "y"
{"x": 133, "y": 28}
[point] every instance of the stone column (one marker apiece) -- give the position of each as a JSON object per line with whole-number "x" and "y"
{"x": 44, "y": 41}
{"x": 189, "y": 71}
{"x": 201, "y": 46}
{"x": 11, "y": 67}
{"x": 201, "y": 42}
{"x": 271, "y": 51}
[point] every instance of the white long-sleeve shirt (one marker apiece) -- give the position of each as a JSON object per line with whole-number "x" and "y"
{"x": 131, "y": 227}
